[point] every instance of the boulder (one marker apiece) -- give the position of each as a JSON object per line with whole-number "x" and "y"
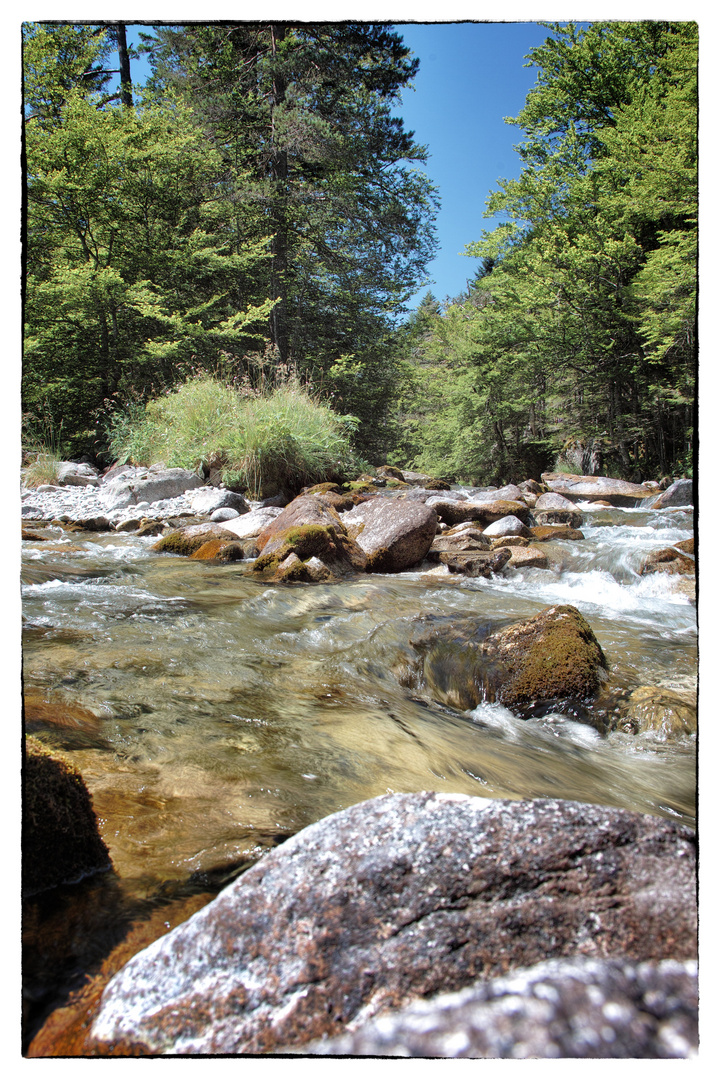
{"x": 149, "y": 485}
{"x": 475, "y": 563}
{"x": 304, "y": 510}
{"x": 395, "y": 534}
{"x": 252, "y": 524}
{"x": 661, "y": 711}
{"x": 575, "y": 1008}
{"x": 224, "y": 513}
{"x": 455, "y": 512}
{"x": 403, "y": 896}
{"x": 309, "y": 527}
{"x": 617, "y": 492}
{"x": 77, "y": 474}
{"x": 472, "y": 540}
{"x": 507, "y": 526}
{"x": 552, "y": 501}
{"x": 209, "y": 499}
{"x": 532, "y": 487}
{"x": 668, "y": 561}
{"x": 542, "y": 533}
{"x": 686, "y": 546}
{"x": 510, "y": 492}
{"x": 61, "y": 843}
{"x": 526, "y": 558}
{"x": 532, "y": 667}
{"x": 680, "y": 493}
{"x": 573, "y": 518}
{"x": 220, "y": 550}
{"x": 390, "y": 472}
{"x": 189, "y": 540}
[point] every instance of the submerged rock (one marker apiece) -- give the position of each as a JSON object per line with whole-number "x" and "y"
{"x": 576, "y": 1008}
{"x": 400, "y": 897}
{"x": 531, "y": 666}
{"x": 661, "y": 711}
{"x": 61, "y": 843}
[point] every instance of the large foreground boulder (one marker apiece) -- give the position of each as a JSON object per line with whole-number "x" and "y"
{"x": 61, "y": 843}
{"x": 400, "y": 897}
{"x": 395, "y": 534}
{"x": 563, "y": 1008}
{"x": 308, "y": 528}
{"x": 550, "y": 660}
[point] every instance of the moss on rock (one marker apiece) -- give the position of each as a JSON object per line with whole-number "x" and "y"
{"x": 220, "y": 550}
{"x": 183, "y": 542}
{"x": 61, "y": 843}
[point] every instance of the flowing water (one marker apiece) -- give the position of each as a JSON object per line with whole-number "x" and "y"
{"x": 232, "y": 712}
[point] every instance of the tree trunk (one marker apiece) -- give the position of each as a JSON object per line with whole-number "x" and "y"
{"x": 124, "y": 58}
{"x": 279, "y": 246}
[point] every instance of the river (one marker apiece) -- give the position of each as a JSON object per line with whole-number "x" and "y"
{"x": 232, "y": 712}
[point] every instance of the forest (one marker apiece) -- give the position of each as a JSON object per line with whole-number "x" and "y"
{"x": 256, "y": 217}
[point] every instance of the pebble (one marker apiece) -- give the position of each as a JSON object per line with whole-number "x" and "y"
{"x": 78, "y": 503}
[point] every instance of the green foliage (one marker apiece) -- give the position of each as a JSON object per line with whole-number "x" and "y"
{"x": 581, "y": 326}
{"x": 282, "y": 439}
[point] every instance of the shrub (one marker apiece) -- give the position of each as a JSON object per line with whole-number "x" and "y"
{"x": 264, "y": 443}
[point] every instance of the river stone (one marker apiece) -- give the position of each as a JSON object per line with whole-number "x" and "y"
{"x": 394, "y": 534}
{"x": 252, "y": 524}
{"x": 668, "y": 561}
{"x": 465, "y": 541}
{"x": 403, "y": 896}
{"x": 680, "y": 493}
{"x": 525, "y": 558}
{"x": 456, "y": 512}
{"x": 542, "y": 533}
{"x": 303, "y": 510}
{"x": 475, "y": 563}
{"x": 209, "y": 499}
{"x": 507, "y": 526}
{"x": 224, "y": 513}
{"x": 511, "y": 492}
{"x": 656, "y": 709}
{"x": 576, "y": 1008}
{"x": 573, "y": 518}
{"x": 552, "y": 501}
{"x": 617, "y": 492}
{"x": 532, "y": 487}
{"x": 77, "y": 474}
{"x": 189, "y": 540}
{"x": 148, "y": 485}
{"x": 61, "y": 843}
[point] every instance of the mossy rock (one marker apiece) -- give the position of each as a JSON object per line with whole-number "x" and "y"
{"x": 181, "y": 542}
{"x": 220, "y": 551}
{"x": 551, "y": 660}
{"x": 390, "y": 472}
{"x": 320, "y": 489}
{"x": 661, "y": 711}
{"x": 328, "y": 542}
{"x": 551, "y": 657}
{"x": 433, "y": 484}
{"x": 361, "y": 487}
{"x": 61, "y": 843}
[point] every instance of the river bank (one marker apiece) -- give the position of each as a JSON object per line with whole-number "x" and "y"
{"x": 231, "y": 711}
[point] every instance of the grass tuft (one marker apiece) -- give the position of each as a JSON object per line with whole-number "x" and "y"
{"x": 261, "y": 443}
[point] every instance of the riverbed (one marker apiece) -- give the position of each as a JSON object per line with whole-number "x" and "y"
{"x": 231, "y": 712}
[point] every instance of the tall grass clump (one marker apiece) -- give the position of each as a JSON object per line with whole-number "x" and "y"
{"x": 41, "y": 449}
{"x": 262, "y": 442}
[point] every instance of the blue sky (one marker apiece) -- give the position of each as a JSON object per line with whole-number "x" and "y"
{"x": 471, "y": 76}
